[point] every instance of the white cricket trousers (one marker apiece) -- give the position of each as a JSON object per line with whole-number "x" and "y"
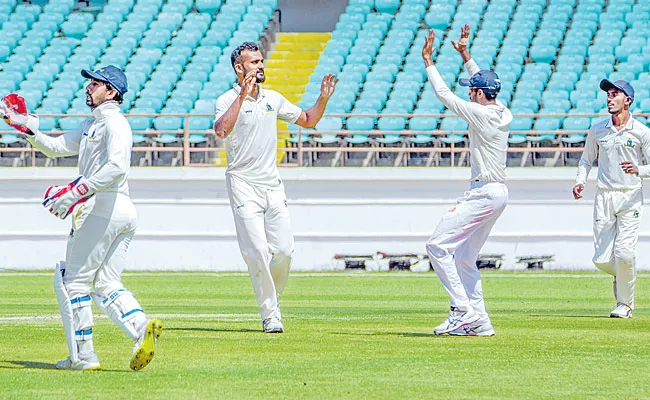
{"x": 454, "y": 246}
{"x": 265, "y": 239}
{"x": 97, "y": 246}
{"x": 617, "y": 215}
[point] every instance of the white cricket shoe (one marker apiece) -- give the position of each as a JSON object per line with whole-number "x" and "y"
{"x": 478, "y": 328}
{"x": 621, "y": 311}
{"x": 272, "y": 325}
{"x": 456, "y": 319}
{"x": 144, "y": 347}
{"x": 87, "y": 362}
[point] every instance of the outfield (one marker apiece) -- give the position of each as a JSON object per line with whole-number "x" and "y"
{"x": 348, "y": 336}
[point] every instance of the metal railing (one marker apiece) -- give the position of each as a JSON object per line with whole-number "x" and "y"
{"x": 302, "y": 153}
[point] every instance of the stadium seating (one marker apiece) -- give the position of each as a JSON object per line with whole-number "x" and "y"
{"x": 550, "y": 55}
{"x": 170, "y": 51}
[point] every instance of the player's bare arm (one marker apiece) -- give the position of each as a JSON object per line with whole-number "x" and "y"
{"x": 629, "y": 167}
{"x": 428, "y": 48}
{"x": 223, "y": 126}
{"x": 577, "y": 191}
{"x": 461, "y": 45}
{"x": 311, "y": 117}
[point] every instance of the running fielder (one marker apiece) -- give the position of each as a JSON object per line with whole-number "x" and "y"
{"x": 103, "y": 220}
{"x": 454, "y": 246}
{"x": 246, "y": 116}
{"x": 620, "y": 143}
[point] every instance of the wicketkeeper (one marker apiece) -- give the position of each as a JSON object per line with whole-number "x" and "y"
{"x": 103, "y": 220}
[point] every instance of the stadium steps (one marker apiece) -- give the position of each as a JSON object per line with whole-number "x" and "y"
{"x": 288, "y": 67}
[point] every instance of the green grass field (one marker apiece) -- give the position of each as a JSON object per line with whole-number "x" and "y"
{"x": 356, "y": 336}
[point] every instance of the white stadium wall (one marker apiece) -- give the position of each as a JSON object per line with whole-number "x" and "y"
{"x": 185, "y": 221}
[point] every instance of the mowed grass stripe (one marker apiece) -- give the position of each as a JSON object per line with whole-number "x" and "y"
{"x": 345, "y": 339}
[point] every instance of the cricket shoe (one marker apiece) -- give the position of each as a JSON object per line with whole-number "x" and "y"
{"x": 478, "y": 328}
{"x": 272, "y": 325}
{"x": 87, "y": 362}
{"x": 145, "y": 345}
{"x": 621, "y": 311}
{"x": 456, "y": 319}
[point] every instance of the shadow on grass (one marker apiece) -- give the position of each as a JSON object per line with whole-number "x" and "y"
{"x": 213, "y": 330}
{"x": 40, "y": 365}
{"x": 568, "y": 316}
{"x": 401, "y": 334}
{"x": 27, "y": 364}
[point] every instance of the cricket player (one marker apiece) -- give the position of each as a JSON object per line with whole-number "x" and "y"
{"x": 246, "y": 116}
{"x": 103, "y": 220}
{"x": 455, "y": 244}
{"x": 620, "y": 143}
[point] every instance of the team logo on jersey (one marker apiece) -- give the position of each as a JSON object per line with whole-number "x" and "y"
{"x": 636, "y": 214}
{"x": 91, "y": 133}
{"x": 629, "y": 143}
{"x": 268, "y": 107}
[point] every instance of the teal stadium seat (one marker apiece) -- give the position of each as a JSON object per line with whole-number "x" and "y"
{"x": 391, "y": 124}
{"x": 329, "y": 124}
{"x": 387, "y": 6}
{"x": 360, "y": 124}
{"x": 72, "y": 122}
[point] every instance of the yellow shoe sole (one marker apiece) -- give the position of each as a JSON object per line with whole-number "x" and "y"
{"x": 143, "y": 356}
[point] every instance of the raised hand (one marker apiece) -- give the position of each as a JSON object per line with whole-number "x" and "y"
{"x": 328, "y": 85}
{"x": 14, "y": 112}
{"x": 248, "y": 85}
{"x": 428, "y": 48}
{"x": 461, "y": 45}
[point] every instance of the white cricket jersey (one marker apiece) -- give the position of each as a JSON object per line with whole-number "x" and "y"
{"x": 252, "y": 144}
{"x": 103, "y": 144}
{"x": 488, "y": 128}
{"x": 611, "y": 148}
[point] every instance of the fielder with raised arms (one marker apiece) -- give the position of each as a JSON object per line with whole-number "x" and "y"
{"x": 454, "y": 246}
{"x": 103, "y": 220}
{"x": 620, "y": 143}
{"x": 246, "y": 116}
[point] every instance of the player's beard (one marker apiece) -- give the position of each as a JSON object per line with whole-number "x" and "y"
{"x": 259, "y": 75}
{"x": 91, "y": 102}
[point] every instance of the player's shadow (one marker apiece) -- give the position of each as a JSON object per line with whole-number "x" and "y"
{"x": 400, "y": 334}
{"x": 41, "y": 365}
{"x": 27, "y": 364}
{"x": 244, "y": 330}
{"x": 568, "y": 316}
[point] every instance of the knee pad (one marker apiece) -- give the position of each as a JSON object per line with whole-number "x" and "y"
{"x": 123, "y": 309}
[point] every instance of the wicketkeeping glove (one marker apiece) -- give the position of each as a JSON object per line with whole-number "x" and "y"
{"x": 61, "y": 201}
{"x": 14, "y": 112}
